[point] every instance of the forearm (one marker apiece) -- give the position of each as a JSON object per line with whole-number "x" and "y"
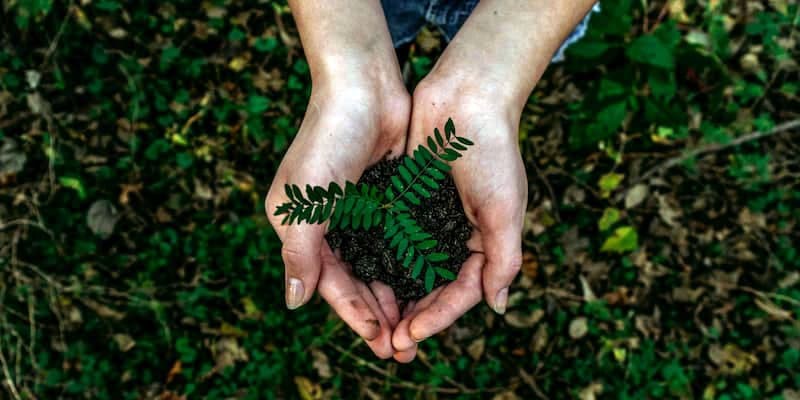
{"x": 346, "y": 40}
{"x": 507, "y": 44}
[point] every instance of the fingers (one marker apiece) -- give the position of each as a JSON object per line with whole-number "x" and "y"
{"x": 354, "y": 303}
{"x": 301, "y": 258}
{"x": 401, "y": 338}
{"x": 503, "y": 251}
{"x": 388, "y": 303}
{"x": 440, "y": 308}
{"x": 455, "y": 300}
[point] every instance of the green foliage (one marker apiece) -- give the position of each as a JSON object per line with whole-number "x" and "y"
{"x": 177, "y": 114}
{"x": 363, "y": 206}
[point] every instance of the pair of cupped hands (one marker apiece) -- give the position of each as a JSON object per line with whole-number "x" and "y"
{"x": 353, "y": 123}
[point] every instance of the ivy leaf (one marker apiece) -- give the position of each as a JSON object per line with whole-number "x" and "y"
{"x": 609, "y": 218}
{"x": 648, "y": 49}
{"x": 624, "y": 239}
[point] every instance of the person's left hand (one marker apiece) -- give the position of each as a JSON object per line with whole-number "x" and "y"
{"x": 491, "y": 182}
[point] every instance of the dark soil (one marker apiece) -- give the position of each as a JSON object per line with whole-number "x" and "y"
{"x": 370, "y": 256}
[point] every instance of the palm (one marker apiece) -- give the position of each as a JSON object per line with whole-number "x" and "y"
{"x": 316, "y": 157}
{"x": 493, "y": 189}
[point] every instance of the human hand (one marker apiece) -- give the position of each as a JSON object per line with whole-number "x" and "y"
{"x": 492, "y": 185}
{"x": 348, "y": 126}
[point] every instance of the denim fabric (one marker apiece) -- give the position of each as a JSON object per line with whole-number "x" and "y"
{"x": 406, "y": 18}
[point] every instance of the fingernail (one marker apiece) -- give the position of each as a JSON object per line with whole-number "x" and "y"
{"x": 294, "y": 293}
{"x": 500, "y": 301}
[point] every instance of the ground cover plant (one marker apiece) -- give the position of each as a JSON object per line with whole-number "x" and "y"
{"x": 136, "y": 262}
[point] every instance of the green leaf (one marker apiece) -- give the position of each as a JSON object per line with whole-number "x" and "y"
{"x": 609, "y": 182}
{"x": 316, "y": 217}
{"x": 421, "y": 190}
{"x": 412, "y": 198}
{"x": 449, "y": 128}
{"x": 395, "y": 240}
{"x": 464, "y": 141}
{"x": 405, "y": 174}
{"x": 458, "y": 146}
{"x": 624, "y": 239}
{"x": 397, "y": 184}
{"x": 437, "y": 257}
{"x": 401, "y": 206}
{"x": 367, "y": 221}
{"x": 349, "y": 202}
{"x": 416, "y": 237}
{"x": 401, "y": 249}
{"x": 326, "y": 211}
{"x": 408, "y": 258}
{"x": 431, "y": 145}
{"x": 609, "y": 218}
{"x": 418, "y": 266}
{"x": 429, "y": 182}
{"x": 298, "y": 195}
{"x": 288, "y": 190}
{"x": 312, "y": 194}
{"x": 73, "y": 183}
{"x": 445, "y": 273}
{"x": 438, "y": 137}
{"x": 427, "y": 245}
{"x": 648, "y": 49}
{"x": 430, "y": 276}
{"x": 409, "y": 163}
{"x": 257, "y": 104}
{"x": 335, "y": 189}
{"x": 440, "y": 165}
{"x": 449, "y": 155}
{"x": 391, "y": 232}
{"x": 435, "y": 174}
{"x": 424, "y": 154}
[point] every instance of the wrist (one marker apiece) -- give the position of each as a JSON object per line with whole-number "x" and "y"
{"x": 469, "y": 92}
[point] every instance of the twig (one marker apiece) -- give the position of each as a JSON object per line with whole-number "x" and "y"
{"x": 531, "y": 381}
{"x": 9, "y": 382}
{"x": 786, "y": 126}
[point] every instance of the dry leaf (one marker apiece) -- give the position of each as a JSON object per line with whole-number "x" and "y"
{"x": 636, "y": 195}
{"x": 124, "y": 341}
{"x": 321, "y": 364}
{"x": 519, "y": 319}
{"x": 578, "y": 327}
{"x": 102, "y": 217}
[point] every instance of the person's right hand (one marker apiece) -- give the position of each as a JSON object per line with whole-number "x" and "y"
{"x": 347, "y": 127}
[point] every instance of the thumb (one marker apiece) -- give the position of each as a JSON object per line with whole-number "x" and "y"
{"x": 301, "y": 253}
{"x": 503, "y": 250}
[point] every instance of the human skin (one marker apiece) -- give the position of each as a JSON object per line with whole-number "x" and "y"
{"x": 481, "y": 81}
{"x": 357, "y": 114}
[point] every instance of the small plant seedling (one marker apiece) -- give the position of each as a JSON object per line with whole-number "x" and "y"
{"x": 363, "y": 206}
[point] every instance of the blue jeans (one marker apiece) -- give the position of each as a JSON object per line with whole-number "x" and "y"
{"x": 406, "y": 18}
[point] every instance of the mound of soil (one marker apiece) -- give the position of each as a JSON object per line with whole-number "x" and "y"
{"x": 370, "y": 255}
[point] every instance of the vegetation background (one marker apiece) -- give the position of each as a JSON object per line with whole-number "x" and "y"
{"x": 139, "y": 137}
